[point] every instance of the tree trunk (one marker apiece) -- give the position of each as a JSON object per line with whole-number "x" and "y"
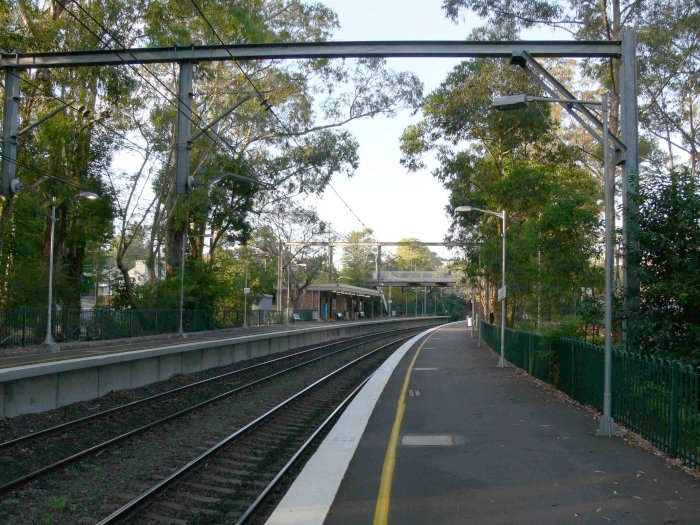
{"x": 4, "y": 260}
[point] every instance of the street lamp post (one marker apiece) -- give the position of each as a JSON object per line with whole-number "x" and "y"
{"x": 181, "y": 330}
{"x": 246, "y": 291}
{"x": 49, "y": 340}
{"x": 607, "y": 425}
{"x": 502, "y": 363}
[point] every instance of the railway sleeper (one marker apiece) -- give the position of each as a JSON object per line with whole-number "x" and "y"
{"x": 212, "y": 488}
{"x": 165, "y": 520}
{"x": 197, "y": 497}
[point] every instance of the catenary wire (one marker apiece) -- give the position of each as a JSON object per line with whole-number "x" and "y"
{"x": 286, "y": 129}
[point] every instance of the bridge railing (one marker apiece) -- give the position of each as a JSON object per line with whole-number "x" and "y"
{"x": 425, "y": 275}
{"x": 658, "y": 398}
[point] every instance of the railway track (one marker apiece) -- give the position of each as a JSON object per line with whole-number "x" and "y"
{"x": 36, "y": 454}
{"x": 231, "y": 480}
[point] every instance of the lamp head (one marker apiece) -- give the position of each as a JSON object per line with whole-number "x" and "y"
{"x": 463, "y": 209}
{"x": 510, "y": 102}
{"x": 87, "y": 195}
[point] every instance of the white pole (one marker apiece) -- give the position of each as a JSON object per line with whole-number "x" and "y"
{"x": 245, "y": 296}
{"x": 502, "y": 363}
{"x": 607, "y": 425}
{"x": 49, "y": 336}
{"x": 181, "y": 332}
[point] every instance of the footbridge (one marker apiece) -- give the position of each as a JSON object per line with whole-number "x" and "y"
{"x": 416, "y": 278}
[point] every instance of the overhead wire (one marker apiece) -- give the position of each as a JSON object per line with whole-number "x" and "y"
{"x": 41, "y": 171}
{"x": 216, "y": 138}
{"x": 213, "y": 136}
{"x": 68, "y": 104}
{"x": 286, "y": 128}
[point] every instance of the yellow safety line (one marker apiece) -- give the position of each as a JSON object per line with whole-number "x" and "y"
{"x": 381, "y": 511}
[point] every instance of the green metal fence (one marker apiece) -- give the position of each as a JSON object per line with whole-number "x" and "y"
{"x": 26, "y": 327}
{"x": 658, "y": 398}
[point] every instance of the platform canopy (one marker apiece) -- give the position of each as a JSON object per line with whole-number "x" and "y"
{"x": 346, "y": 289}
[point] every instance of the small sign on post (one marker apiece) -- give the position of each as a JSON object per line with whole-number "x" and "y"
{"x": 246, "y": 291}
{"x": 501, "y": 293}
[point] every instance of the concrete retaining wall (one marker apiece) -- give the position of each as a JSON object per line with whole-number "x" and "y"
{"x": 45, "y": 386}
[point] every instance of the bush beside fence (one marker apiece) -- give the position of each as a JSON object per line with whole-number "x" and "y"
{"x": 658, "y": 398}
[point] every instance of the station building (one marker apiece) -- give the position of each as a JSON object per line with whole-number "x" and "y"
{"x": 339, "y": 301}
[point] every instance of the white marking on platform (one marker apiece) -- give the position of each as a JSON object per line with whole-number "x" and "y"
{"x": 310, "y": 497}
{"x": 416, "y": 440}
{"x": 426, "y": 368}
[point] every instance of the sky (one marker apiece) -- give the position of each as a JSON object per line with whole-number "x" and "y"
{"x": 394, "y": 203}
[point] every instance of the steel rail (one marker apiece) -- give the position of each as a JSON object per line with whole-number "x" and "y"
{"x": 126, "y": 511}
{"x": 95, "y": 448}
{"x": 113, "y": 410}
{"x": 280, "y": 474}
{"x": 304, "y": 50}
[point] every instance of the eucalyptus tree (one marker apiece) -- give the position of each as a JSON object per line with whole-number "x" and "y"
{"x": 74, "y": 145}
{"x": 509, "y": 161}
{"x": 359, "y": 261}
{"x": 668, "y": 34}
{"x": 292, "y": 140}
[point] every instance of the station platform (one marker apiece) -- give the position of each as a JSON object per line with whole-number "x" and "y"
{"x": 18, "y": 356}
{"x": 36, "y": 382}
{"x": 440, "y": 435}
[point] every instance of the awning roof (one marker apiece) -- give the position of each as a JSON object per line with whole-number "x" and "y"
{"x": 347, "y": 289}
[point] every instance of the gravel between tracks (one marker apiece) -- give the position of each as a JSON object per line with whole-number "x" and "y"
{"x": 25, "y": 423}
{"x": 95, "y": 486}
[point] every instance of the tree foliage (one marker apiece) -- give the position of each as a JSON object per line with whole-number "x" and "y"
{"x": 510, "y": 161}
{"x": 669, "y": 322}
{"x": 288, "y": 136}
{"x": 358, "y": 261}
{"x": 668, "y": 35}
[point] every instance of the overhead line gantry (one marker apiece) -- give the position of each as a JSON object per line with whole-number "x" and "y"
{"x": 522, "y": 53}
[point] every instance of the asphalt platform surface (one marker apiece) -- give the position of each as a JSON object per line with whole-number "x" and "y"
{"x": 20, "y": 356}
{"x": 486, "y": 445}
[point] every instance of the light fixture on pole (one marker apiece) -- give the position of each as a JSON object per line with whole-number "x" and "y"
{"x": 607, "y": 425}
{"x": 502, "y": 363}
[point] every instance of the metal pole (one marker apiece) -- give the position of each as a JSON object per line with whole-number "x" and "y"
{"x": 49, "y": 309}
{"x": 181, "y": 332}
{"x": 607, "y": 425}
{"x": 478, "y": 335}
{"x": 245, "y": 296}
{"x": 488, "y": 300}
{"x": 184, "y": 127}
{"x": 502, "y": 363}
{"x": 539, "y": 287}
{"x": 630, "y": 183}
{"x": 279, "y": 280}
{"x": 471, "y": 328}
{"x": 9, "y": 131}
